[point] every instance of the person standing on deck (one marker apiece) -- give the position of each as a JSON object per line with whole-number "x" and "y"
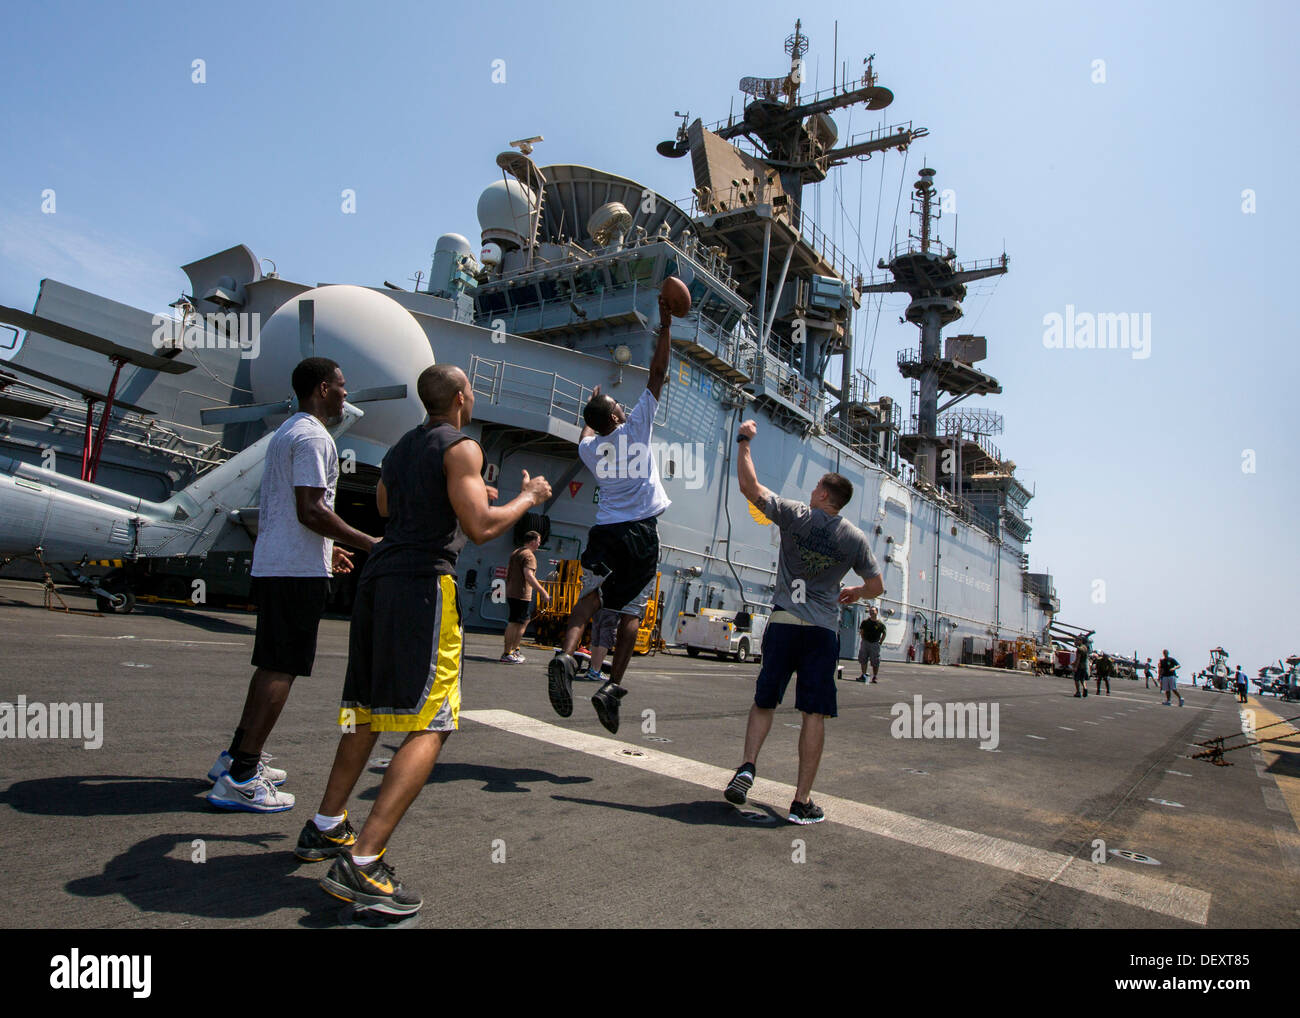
{"x": 872, "y": 633}
{"x": 818, "y": 546}
{"x": 521, "y": 581}
{"x": 293, "y": 558}
{"x": 406, "y": 641}
{"x": 1167, "y": 669}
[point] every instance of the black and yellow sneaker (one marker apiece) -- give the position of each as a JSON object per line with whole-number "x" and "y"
{"x": 315, "y": 845}
{"x": 373, "y": 886}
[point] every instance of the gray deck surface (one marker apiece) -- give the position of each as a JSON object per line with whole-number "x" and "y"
{"x": 919, "y": 833}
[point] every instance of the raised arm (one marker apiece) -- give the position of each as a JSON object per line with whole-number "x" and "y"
{"x": 659, "y": 362}
{"x": 481, "y": 521}
{"x": 745, "y": 472}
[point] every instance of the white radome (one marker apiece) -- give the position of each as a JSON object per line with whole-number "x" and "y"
{"x": 505, "y": 211}
{"x": 375, "y": 341}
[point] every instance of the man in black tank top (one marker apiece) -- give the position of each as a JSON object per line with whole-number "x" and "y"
{"x": 405, "y": 645}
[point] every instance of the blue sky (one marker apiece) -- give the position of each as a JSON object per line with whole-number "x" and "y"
{"x": 1123, "y": 196}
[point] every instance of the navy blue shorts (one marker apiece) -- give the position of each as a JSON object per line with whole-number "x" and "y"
{"x": 811, "y": 653}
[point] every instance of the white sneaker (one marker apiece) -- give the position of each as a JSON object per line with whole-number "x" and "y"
{"x": 256, "y": 795}
{"x": 274, "y": 775}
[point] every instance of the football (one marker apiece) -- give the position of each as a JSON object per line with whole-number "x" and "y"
{"x": 676, "y": 296}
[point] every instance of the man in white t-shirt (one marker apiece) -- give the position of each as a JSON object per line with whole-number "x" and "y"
{"x": 622, "y": 553}
{"x": 293, "y": 559}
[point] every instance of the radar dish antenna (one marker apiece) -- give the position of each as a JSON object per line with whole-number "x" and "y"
{"x": 764, "y": 88}
{"x": 524, "y": 170}
{"x": 609, "y": 224}
{"x": 525, "y": 145}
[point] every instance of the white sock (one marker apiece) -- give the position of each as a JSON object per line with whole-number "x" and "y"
{"x": 324, "y": 823}
{"x": 364, "y": 860}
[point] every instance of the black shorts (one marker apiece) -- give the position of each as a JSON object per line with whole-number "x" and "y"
{"x": 288, "y": 615}
{"x": 405, "y": 651}
{"x": 521, "y": 609}
{"x": 620, "y": 561}
{"x": 811, "y": 653}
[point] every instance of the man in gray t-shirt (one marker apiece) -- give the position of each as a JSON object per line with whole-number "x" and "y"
{"x": 293, "y": 560}
{"x": 818, "y": 546}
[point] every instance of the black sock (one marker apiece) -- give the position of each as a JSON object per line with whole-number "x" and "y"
{"x": 752, "y": 768}
{"x": 236, "y": 742}
{"x": 244, "y": 766}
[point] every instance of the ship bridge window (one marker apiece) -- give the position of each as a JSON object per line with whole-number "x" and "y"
{"x": 492, "y": 302}
{"x": 589, "y": 282}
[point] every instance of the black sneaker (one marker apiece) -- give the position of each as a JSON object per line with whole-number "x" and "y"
{"x": 559, "y": 683}
{"x": 606, "y": 704}
{"x": 738, "y": 791}
{"x": 806, "y": 812}
{"x": 315, "y": 845}
{"x": 372, "y": 886}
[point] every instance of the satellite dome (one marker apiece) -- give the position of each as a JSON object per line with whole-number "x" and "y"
{"x": 454, "y": 243}
{"x": 505, "y": 211}
{"x": 373, "y": 339}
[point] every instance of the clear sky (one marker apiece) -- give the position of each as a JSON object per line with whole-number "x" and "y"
{"x": 1122, "y": 195}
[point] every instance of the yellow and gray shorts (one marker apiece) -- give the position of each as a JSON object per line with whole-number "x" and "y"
{"x": 405, "y": 654}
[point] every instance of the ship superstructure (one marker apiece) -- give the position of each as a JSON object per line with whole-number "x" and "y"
{"x": 561, "y": 297}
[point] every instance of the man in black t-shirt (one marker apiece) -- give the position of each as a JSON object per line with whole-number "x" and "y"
{"x": 1168, "y": 679}
{"x": 872, "y": 634}
{"x": 1104, "y": 669}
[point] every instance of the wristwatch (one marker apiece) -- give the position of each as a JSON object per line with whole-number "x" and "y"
{"x": 742, "y": 438}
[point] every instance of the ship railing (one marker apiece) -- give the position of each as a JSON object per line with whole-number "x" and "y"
{"x": 877, "y": 133}
{"x": 729, "y": 345}
{"x": 860, "y": 386}
{"x": 840, "y": 88}
{"x": 947, "y": 430}
{"x": 792, "y": 386}
{"x": 140, "y": 432}
{"x": 529, "y": 389}
{"x": 913, "y": 246}
{"x": 707, "y": 201}
{"x": 563, "y": 309}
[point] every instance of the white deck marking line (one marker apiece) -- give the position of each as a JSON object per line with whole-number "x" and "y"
{"x": 1064, "y": 729}
{"x": 1134, "y": 889}
{"x": 155, "y": 639}
{"x": 1040, "y": 738}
